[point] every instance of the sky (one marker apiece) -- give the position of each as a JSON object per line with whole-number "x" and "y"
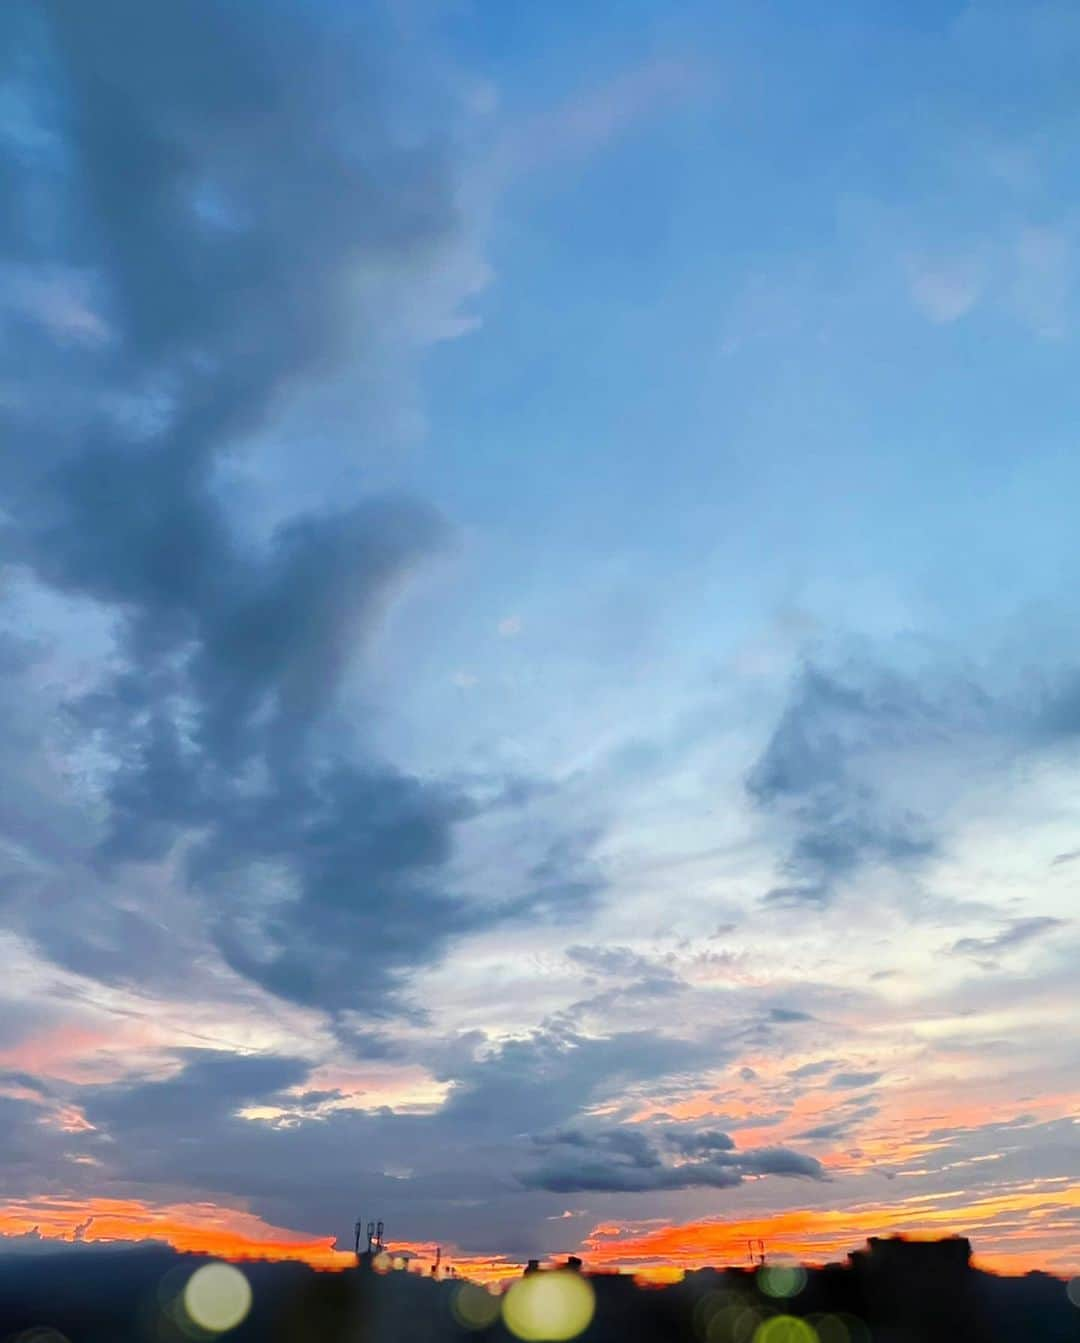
{"x": 539, "y": 661}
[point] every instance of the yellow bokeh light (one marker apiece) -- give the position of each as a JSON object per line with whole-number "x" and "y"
{"x": 549, "y": 1306}
{"x": 217, "y": 1297}
{"x": 785, "y": 1329}
{"x": 474, "y": 1306}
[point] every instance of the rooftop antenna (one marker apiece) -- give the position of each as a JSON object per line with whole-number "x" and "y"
{"x": 357, "y": 1229}
{"x": 370, "y": 1235}
{"x": 438, "y": 1261}
{"x": 757, "y": 1251}
{"x": 378, "y": 1237}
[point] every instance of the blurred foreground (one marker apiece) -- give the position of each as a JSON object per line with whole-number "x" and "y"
{"x": 893, "y": 1292}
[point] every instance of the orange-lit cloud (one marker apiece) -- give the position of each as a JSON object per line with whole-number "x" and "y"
{"x": 1012, "y": 1232}
{"x": 199, "y": 1227}
{"x": 81, "y": 1054}
{"x": 204, "y": 1228}
{"x": 913, "y": 1123}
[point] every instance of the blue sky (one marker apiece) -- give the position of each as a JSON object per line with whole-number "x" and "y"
{"x": 539, "y": 657}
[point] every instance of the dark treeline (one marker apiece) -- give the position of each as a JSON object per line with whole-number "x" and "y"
{"x": 895, "y": 1292}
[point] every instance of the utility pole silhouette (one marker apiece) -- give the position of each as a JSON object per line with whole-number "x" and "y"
{"x": 374, "y": 1239}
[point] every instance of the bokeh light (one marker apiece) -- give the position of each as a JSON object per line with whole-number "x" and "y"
{"x": 840, "y": 1328}
{"x": 474, "y": 1306}
{"x": 171, "y": 1286}
{"x": 785, "y": 1329}
{"x": 781, "y": 1280}
{"x": 829, "y": 1328}
{"x": 217, "y": 1297}
{"x": 549, "y": 1306}
{"x": 734, "y": 1323}
{"x": 382, "y": 1263}
{"x": 709, "y": 1306}
{"x": 1072, "y": 1291}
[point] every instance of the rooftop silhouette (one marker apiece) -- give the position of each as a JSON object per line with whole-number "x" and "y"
{"x": 891, "y": 1291}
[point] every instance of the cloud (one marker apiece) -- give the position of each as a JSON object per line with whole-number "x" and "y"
{"x": 848, "y": 1081}
{"x": 812, "y": 1069}
{"x": 821, "y": 1132}
{"x": 226, "y": 1127}
{"x": 563, "y": 882}
{"x": 699, "y": 1142}
{"x": 585, "y": 124}
{"x": 548, "y": 1076}
{"x": 824, "y": 774}
{"x": 235, "y": 263}
{"x": 786, "y": 1015}
{"x": 1044, "y": 279}
{"x": 646, "y": 977}
{"x": 629, "y": 1158}
{"x": 1016, "y": 933}
{"x": 61, "y": 300}
{"x": 944, "y": 289}
{"x": 209, "y": 1086}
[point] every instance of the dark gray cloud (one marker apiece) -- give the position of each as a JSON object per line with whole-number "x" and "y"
{"x": 813, "y": 774}
{"x": 636, "y": 978}
{"x": 812, "y": 1069}
{"x": 698, "y": 1142}
{"x": 209, "y": 1086}
{"x": 563, "y": 882}
{"x": 614, "y": 961}
{"x": 849, "y": 1081}
{"x": 628, "y": 1158}
{"x": 1016, "y": 933}
{"x": 227, "y": 186}
{"x": 1058, "y": 714}
{"x": 850, "y": 1113}
{"x": 838, "y": 1128}
{"x": 553, "y": 1073}
{"x": 838, "y": 776}
{"x": 188, "y": 1135}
